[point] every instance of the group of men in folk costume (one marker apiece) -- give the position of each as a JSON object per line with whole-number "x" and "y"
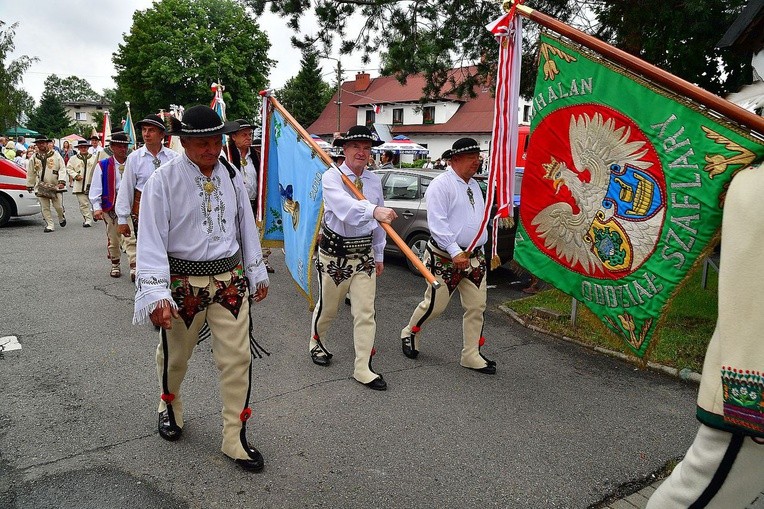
{"x": 46, "y": 177}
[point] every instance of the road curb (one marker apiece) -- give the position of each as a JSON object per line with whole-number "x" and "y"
{"x": 682, "y": 374}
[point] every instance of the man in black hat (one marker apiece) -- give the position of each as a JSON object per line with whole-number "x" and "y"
{"x": 80, "y": 169}
{"x": 243, "y": 154}
{"x": 199, "y": 260}
{"x": 350, "y": 254}
{"x": 107, "y": 177}
{"x": 140, "y": 165}
{"x": 95, "y": 149}
{"x": 46, "y": 177}
{"x": 454, "y": 214}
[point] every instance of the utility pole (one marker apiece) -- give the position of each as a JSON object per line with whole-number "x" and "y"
{"x": 339, "y": 93}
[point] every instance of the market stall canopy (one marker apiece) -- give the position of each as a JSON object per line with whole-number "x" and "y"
{"x": 21, "y": 131}
{"x": 321, "y": 143}
{"x": 72, "y": 138}
{"x": 401, "y": 145}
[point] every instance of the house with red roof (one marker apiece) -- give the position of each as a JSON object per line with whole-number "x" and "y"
{"x": 395, "y": 109}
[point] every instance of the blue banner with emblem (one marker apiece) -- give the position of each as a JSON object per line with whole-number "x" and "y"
{"x": 293, "y": 200}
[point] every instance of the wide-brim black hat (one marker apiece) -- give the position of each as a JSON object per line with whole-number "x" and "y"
{"x": 358, "y": 133}
{"x": 244, "y": 124}
{"x": 201, "y": 121}
{"x": 82, "y": 143}
{"x": 464, "y": 146}
{"x": 446, "y": 154}
{"x": 152, "y": 120}
{"x": 120, "y": 138}
{"x": 42, "y": 139}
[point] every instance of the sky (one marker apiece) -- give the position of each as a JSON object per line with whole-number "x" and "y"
{"x": 78, "y": 38}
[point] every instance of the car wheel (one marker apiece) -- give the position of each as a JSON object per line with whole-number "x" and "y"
{"x": 5, "y": 211}
{"x": 417, "y": 243}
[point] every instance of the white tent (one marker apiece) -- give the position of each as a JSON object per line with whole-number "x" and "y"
{"x": 401, "y": 145}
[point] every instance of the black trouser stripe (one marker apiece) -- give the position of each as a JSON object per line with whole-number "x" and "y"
{"x": 320, "y": 301}
{"x": 717, "y": 481}
{"x": 165, "y": 361}
{"x": 426, "y": 315}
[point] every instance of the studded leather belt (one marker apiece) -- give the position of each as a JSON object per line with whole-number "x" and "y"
{"x": 204, "y": 268}
{"x": 345, "y": 247}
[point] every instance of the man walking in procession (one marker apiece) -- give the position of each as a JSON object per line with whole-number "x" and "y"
{"x": 81, "y": 168}
{"x": 46, "y": 177}
{"x": 103, "y": 194}
{"x": 198, "y": 260}
{"x": 140, "y": 165}
{"x": 350, "y": 254}
{"x": 454, "y": 213}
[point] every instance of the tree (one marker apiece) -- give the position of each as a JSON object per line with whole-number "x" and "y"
{"x": 176, "y": 49}
{"x": 432, "y": 36}
{"x": 50, "y": 117}
{"x": 306, "y": 94}
{"x": 13, "y": 100}
{"x": 70, "y": 89}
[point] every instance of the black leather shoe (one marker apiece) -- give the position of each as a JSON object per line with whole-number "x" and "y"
{"x": 320, "y": 357}
{"x": 62, "y": 223}
{"x": 486, "y": 370}
{"x": 407, "y": 345}
{"x": 255, "y": 464}
{"x": 378, "y": 384}
{"x": 167, "y": 430}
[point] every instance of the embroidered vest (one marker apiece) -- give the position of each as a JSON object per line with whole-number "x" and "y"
{"x": 108, "y": 184}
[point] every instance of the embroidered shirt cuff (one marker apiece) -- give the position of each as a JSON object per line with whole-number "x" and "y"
{"x": 151, "y": 290}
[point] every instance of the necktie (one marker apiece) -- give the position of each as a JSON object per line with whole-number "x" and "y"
{"x": 471, "y": 197}
{"x": 358, "y": 183}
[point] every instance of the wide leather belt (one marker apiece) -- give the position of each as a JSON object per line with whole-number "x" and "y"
{"x": 443, "y": 253}
{"x": 334, "y": 244}
{"x": 204, "y": 268}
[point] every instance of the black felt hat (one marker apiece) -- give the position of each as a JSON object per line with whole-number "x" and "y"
{"x": 82, "y": 143}
{"x": 120, "y": 138}
{"x": 152, "y": 120}
{"x": 201, "y": 121}
{"x": 42, "y": 139}
{"x": 244, "y": 124}
{"x": 462, "y": 146}
{"x": 357, "y": 133}
{"x": 446, "y": 154}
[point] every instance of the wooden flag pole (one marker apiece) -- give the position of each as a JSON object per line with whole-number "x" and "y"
{"x": 668, "y": 80}
{"x": 414, "y": 259}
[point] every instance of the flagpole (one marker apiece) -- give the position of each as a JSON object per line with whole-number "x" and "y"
{"x": 414, "y": 259}
{"x": 668, "y": 80}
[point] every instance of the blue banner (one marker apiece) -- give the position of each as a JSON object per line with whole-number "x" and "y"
{"x": 293, "y": 197}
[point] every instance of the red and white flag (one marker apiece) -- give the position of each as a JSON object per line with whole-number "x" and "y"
{"x": 501, "y": 174}
{"x": 106, "y": 129}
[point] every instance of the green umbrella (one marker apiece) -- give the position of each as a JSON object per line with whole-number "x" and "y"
{"x": 21, "y": 131}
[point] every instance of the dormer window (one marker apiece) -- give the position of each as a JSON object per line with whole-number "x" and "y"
{"x": 428, "y": 115}
{"x": 398, "y": 116}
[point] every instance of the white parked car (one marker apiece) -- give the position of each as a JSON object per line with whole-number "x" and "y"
{"x": 14, "y": 198}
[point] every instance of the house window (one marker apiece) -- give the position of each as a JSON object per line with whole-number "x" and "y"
{"x": 428, "y": 115}
{"x": 81, "y": 116}
{"x": 527, "y": 113}
{"x": 398, "y": 116}
{"x": 370, "y": 118}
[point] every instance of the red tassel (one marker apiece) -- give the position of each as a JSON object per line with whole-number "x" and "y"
{"x": 373, "y": 352}
{"x": 167, "y": 398}
{"x": 315, "y": 336}
{"x": 482, "y": 341}
{"x": 245, "y": 414}
{"x": 415, "y": 329}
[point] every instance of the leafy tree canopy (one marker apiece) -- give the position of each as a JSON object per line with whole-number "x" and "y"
{"x": 432, "y": 36}
{"x": 176, "y": 49}
{"x": 306, "y": 94}
{"x": 13, "y": 100}
{"x": 50, "y": 117}
{"x": 70, "y": 89}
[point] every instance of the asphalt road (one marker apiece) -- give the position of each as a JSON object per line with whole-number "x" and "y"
{"x": 557, "y": 426}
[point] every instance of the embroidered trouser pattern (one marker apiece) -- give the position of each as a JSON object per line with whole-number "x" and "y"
{"x": 336, "y": 277}
{"x": 720, "y": 470}
{"x": 45, "y": 204}
{"x": 472, "y": 292}
{"x": 230, "y": 348}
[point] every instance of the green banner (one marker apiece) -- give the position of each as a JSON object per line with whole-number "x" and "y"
{"x": 623, "y": 188}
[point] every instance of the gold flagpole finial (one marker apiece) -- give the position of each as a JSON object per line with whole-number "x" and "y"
{"x": 522, "y": 9}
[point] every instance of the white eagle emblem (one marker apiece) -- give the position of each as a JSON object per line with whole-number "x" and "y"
{"x": 599, "y": 148}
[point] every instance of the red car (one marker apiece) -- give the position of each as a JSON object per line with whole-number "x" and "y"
{"x": 14, "y": 198}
